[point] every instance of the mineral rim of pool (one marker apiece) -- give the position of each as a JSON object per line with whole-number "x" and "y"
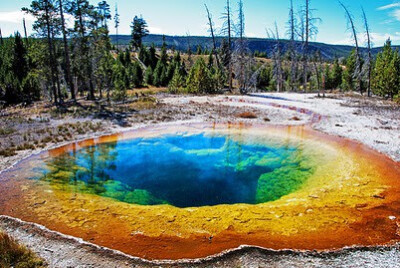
{"x": 191, "y": 191}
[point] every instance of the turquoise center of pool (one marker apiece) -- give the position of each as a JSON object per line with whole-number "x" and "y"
{"x": 180, "y": 170}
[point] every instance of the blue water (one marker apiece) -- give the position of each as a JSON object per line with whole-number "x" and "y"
{"x": 180, "y": 170}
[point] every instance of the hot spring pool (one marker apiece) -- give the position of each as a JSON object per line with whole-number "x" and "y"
{"x": 183, "y": 170}
{"x": 190, "y": 191}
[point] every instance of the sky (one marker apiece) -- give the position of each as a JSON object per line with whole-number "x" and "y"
{"x": 182, "y": 17}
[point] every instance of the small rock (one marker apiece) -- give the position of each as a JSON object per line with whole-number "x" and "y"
{"x": 392, "y": 218}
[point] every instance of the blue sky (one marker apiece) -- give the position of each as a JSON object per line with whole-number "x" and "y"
{"x": 179, "y": 17}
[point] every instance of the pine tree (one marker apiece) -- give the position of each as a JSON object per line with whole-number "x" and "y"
{"x": 348, "y": 83}
{"x": 116, "y": 24}
{"x": 139, "y": 30}
{"x": 105, "y": 72}
{"x": 387, "y": 72}
{"x": 48, "y": 25}
{"x": 265, "y": 78}
{"x": 336, "y": 75}
{"x": 327, "y": 78}
{"x": 136, "y": 75}
{"x": 86, "y": 20}
{"x": 152, "y": 57}
{"x": 200, "y": 80}
{"x": 67, "y": 58}
{"x": 120, "y": 81}
{"x": 210, "y": 63}
{"x": 178, "y": 82}
{"x": 149, "y": 76}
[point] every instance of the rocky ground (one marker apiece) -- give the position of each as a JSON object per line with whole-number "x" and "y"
{"x": 24, "y": 131}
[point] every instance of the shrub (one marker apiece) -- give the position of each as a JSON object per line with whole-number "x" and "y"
{"x": 13, "y": 254}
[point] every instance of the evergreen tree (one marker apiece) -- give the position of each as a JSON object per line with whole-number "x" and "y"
{"x": 265, "y": 78}
{"x": 116, "y": 24}
{"x": 67, "y": 58}
{"x": 149, "y": 76}
{"x": 86, "y": 20}
{"x": 160, "y": 72}
{"x": 152, "y": 57}
{"x": 199, "y": 50}
{"x": 104, "y": 13}
{"x": 200, "y": 80}
{"x": 136, "y": 75}
{"x": 105, "y": 73}
{"x": 178, "y": 82}
{"x": 19, "y": 81}
{"x": 348, "y": 83}
{"x": 48, "y": 25}
{"x": 100, "y": 47}
{"x": 210, "y": 63}
{"x": 120, "y": 81}
{"x": 336, "y": 75}
{"x": 387, "y": 72}
{"x": 144, "y": 56}
{"x": 327, "y": 81}
{"x": 139, "y": 30}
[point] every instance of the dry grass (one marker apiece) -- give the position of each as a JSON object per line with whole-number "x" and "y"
{"x": 150, "y": 90}
{"x": 15, "y": 255}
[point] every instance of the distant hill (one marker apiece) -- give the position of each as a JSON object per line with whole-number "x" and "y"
{"x": 328, "y": 51}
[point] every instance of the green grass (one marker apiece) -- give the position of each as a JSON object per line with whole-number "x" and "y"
{"x": 12, "y": 254}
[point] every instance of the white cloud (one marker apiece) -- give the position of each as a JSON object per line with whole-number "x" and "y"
{"x": 155, "y": 30}
{"x": 390, "y": 6}
{"x": 15, "y": 17}
{"x": 395, "y": 14}
{"x": 394, "y": 11}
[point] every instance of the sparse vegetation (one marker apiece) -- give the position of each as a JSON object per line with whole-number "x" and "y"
{"x": 12, "y": 254}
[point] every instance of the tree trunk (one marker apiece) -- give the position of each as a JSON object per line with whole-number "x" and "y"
{"x": 68, "y": 75}
{"x": 369, "y": 53}
{"x": 358, "y": 57}
{"x": 26, "y": 33}
{"x": 230, "y": 48}
{"x": 50, "y": 48}
{"x": 210, "y": 22}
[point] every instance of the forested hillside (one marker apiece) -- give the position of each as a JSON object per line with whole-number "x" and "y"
{"x": 261, "y": 45}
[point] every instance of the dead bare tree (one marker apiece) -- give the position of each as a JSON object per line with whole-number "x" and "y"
{"x": 368, "y": 63}
{"x": 211, "y": 30}
{"x": 226, "y": 30}
{"x": 317, "y": 63}
{"x": 189, "y": 50}
{"x": 291, "y": 24}
{"x": 26, "y": 33}
{"x": 352, "y": 27}
{"x": 243, "y": 60}
{"x": 277, "y": 58}
{"x": 309, "y": 30}
{"x": 116, "y": 24}
{"x": 1, "y": 38}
